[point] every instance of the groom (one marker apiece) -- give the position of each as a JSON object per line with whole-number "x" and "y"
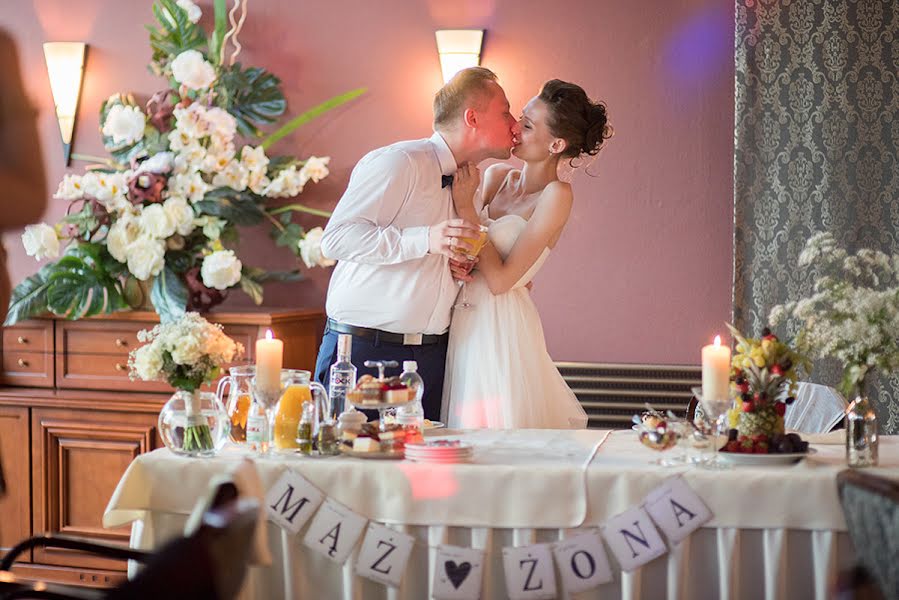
{"x": 394, "y": 231}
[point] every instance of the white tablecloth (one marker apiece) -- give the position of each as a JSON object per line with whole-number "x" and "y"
{"x": 777, "y": 532}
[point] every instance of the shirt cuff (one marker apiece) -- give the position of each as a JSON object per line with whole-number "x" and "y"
{"x": 415, "y": 241}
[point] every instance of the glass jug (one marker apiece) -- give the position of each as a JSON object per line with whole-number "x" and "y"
{"x": 297, "y": 387}
{"x": 239, "y": 399}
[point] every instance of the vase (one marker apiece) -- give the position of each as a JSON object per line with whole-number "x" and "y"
{"x": 193, "y": 423}
{"x": 861, "y": 431}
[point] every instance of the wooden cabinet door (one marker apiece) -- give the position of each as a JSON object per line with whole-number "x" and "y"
{"x": 78, "y": 457}
{"x": 15, "y": 505}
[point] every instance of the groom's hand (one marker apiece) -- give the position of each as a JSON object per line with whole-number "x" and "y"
{"x": 447, "y": 238}
{"x": 461, "y": 268}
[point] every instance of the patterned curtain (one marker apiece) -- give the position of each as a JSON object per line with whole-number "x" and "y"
{"x": 816, "y": 142}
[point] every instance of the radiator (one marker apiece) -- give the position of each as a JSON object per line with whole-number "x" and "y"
{"x": 612, "y": 393}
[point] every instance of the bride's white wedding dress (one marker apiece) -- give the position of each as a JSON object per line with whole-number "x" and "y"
{"x": 498, "y": 372}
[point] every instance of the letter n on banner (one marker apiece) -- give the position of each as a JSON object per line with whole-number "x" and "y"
{"x": 633, "y": 538}
{"x": 334, "y": 531}
{"x": 676, "y": 509}
{"x": 384, "y": 554}
{"x": 582, "y": 561}
{"x": 291, "y": 501}
{"x": 529, "y": 572}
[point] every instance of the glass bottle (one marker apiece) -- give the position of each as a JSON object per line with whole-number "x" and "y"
{"x": 342, "y": 375}
{"x": 256, "y": 434}
{"x": 304, "y": 429}
{"x": 861, "y": 431}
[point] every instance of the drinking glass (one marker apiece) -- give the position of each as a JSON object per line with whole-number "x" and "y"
{"x": 477, "y": 245}
{"x": 716, "y": 412}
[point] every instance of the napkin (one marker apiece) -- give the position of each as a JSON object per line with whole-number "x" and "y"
{"x": 835, "y": 438}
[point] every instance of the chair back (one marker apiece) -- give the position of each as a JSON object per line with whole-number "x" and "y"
{"x": 871, "y": 508}
{"x": 817, "y": 409}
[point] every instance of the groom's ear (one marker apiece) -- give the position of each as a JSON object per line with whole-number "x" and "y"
{"x": 470, "y": 117}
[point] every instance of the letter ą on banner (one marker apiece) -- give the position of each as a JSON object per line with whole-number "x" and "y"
{"x": 334, "y": 531}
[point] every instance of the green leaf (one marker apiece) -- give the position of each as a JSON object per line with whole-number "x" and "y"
{"x": 311, "y": 114}
{"x": 252, "y": 289}
{"x": 218, "y": 34}
{"x": 175, "y": 33}
{"x": 290, "y": 236}
{"x": 169, "y": 295}
{"x": 240, "y": 208}
{"x": 253, "y": 96}
{"x": 79, "y": 285}
{"x": 262, "y": 276}
{"x": 29, "y": 298}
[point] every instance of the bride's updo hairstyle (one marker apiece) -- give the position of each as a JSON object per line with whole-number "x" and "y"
{"x": 582, "y": 123}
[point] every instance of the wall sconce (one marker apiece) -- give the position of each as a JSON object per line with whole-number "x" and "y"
{"x": 458, "y": 49}
{"x": 65, "y": 66}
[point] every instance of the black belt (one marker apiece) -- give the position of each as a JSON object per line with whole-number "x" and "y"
{"x": 407, "y": 339}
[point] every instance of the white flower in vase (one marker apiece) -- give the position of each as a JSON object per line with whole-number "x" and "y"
{"x": 190, "y": 186}
{"x": 221, "y": 270}
{"x": 316, "y": 168}
{"x": 221, "y": 123}
{"x": 40, "y": 241}
{"x": 234, "y": 176}
{"x": 193, "y": 11}
{"x": 155, "y": 222}
{"x": 161, "y": 162}
{"x": 190, "y": 69}
{"x": 180, "y": 214}
{"x": 70, "y": 188}
{"x": 212, "y": 226}
{"x": 254, "y": 159}
{"x": 124, "y": 124}
{"x": 311, "y": 249}
{"x": 146, "y": 257}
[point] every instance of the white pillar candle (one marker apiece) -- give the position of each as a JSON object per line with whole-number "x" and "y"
{"x": 715, "y": 370}
{"x": 269, "y": 358}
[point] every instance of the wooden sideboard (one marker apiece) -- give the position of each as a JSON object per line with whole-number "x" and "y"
{"x": 71, "y": 421}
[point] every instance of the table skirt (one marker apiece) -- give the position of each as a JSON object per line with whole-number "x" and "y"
{"x": 726, "y": 563}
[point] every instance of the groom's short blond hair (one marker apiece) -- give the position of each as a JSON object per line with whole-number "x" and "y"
{"x": 469, "y": 87}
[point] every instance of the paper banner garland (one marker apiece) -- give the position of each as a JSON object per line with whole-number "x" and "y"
{"x": 458, "y": 573}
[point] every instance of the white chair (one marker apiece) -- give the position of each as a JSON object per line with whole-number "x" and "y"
{"x": 816, "y": 410}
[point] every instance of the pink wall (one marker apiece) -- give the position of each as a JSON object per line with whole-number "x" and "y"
{"x": 643, "y": 272}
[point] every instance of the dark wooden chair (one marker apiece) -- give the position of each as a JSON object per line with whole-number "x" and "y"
{"x": 210, "y": 564}
{"x": 871, "y": 508}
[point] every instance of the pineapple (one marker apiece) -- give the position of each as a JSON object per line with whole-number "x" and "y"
{"x": 762, "y": 420}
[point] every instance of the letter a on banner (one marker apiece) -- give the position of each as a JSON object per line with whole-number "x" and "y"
{"x": 334, "y": 531}
{"x": 582, "y": 561}
{"x": 676, "y": 509}
{"x": 291, "y": 501}
{"x": 633, "y": 538}
{"x": 529, "y": 572}
{"x": 384, "y": 554}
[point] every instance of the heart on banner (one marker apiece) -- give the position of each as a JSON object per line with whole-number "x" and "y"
{"x": 457, "y": 573}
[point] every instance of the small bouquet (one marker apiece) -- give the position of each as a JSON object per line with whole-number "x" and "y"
{"x": 187, "y": 353}
{"x": 764, "y": 373}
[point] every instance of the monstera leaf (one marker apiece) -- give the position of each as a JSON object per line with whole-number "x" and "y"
{"x": 175, "y": 33}
{"x": 239, "y": 208}
{"x": 169, "y": 295}
{"x": 79, "y": 286}
{"x": 252, "y": 95}
{"x": 29, "y": 299}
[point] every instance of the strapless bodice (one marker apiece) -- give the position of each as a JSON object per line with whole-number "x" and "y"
{"x": 503, "y": 233}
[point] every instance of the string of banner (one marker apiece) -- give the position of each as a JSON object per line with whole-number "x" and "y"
{"x": 633, "y": 536}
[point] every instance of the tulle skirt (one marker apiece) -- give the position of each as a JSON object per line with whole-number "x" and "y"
{"x": 498, "y": 372}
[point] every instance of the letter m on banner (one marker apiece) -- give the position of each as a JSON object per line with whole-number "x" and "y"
{"x": 291, "y": 501}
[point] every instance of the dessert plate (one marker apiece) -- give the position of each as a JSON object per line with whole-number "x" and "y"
{"x": 377, "y": 455}
{"x": 737, "y": 458}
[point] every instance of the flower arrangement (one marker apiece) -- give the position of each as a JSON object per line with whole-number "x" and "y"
{"x": 764, "y": 373}
{"x": 187, "y": 353}
{"x": 852, "y": 313}
{"x": 165, "y": 209}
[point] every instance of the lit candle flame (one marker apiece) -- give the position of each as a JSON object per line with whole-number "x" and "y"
{"x": 269, "y": 335}
{"x": 717, "y": 340}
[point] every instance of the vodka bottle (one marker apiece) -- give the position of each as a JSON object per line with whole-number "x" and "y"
{"x": 342, "y": 376}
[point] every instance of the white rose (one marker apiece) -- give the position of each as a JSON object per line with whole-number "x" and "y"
{"x": 221, "y": 270}
{"x": 221, "y": 123}
{"x": 193, "y": 11}
{"x": 311, "y": 249}
{"x": 316, "y": 168}
{"x": 180, "y": 214}
{"x": 155, "y": 222}
{"x": 40, "y": 241}
{"x": 191, "y": 69}
{"x": 146, "y": 257}
{"x": 161, "y": 162}
{"x": 124, "y": 124}
{"x": 70, "y": 188}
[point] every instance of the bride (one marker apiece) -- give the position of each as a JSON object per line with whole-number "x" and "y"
{"x": 498, "y": 372}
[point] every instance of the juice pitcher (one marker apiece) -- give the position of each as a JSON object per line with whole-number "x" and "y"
{"x": 239, "y": 399}
{"x": 297, "y": 387}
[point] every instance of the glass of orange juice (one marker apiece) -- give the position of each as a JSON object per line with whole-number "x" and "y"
{"x": 297, "y": 387}
{"x": 477, "y": 244}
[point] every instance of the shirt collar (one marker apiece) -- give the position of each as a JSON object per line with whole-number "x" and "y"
{"x": 444, "y": 155}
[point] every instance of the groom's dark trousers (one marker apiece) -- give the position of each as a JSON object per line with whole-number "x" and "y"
{"x": 369, "y": 344}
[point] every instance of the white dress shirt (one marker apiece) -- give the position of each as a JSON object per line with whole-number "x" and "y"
{"x": 385, "y": 279}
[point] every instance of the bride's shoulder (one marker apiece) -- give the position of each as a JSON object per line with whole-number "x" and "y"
{"x": 557, "y": 192}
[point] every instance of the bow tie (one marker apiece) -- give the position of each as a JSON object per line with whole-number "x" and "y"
{"x": 446, "y": 180}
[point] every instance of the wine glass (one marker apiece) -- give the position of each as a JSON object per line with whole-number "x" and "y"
{"x": 477, "y": 245}
{"x": 716, "y": 412}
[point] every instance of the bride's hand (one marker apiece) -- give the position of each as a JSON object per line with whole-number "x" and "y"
{"x": 465, "y": 184}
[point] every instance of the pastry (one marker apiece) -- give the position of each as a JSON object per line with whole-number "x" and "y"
{"x": 363, "y": 443}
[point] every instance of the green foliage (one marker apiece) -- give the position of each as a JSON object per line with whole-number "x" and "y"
{"x": 79, "y": 285}
{"x": 240, "y": 208}
{"x": 311, "y": 114}
{"x": 84, "y": 220}
{"x": 169, "y": 295}
{"x": 252, "y": 278}
{"x": 253, "y": 96}
{"x": 29, "y": 299}
{"x": 217, "y": 37}
{"x": 175, "y": 33}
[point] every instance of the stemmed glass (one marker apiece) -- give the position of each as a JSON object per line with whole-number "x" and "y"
{"x": 716, "y": 412}
{"x": 477, "y": 245}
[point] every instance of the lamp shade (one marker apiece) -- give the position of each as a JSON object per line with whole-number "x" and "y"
{"x": 458, "y": 49}
{"x": 65, "y": 67}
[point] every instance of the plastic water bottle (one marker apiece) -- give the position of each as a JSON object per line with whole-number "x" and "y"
{"x": 412, "y": 415}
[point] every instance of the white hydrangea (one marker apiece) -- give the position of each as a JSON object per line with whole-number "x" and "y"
{"x": 124, "y": 124}
{"x": 155, "y": 222}
{"x": 221, "y": 270}
{"x": 146, "y": 257}
{"x": 193, "y": 11}
{"x": 316, "y": 168}
{"x": 70, "y": 188}
{"x": 311, "y": 249}
{"x": 40, "y": 241}
{"x": 180, "y": 214}
{"x": 192, "y": 70}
